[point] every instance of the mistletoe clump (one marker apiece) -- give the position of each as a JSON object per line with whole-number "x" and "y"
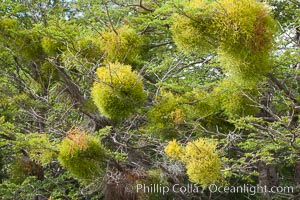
{"x": 84, "y": 54}
{"x": 25, "y": 41}
{"x": 89, "y": 47}
{"x": 246, "y": 37}
{"x": 122, "y": 45}
{"x": 172, "y": 111}
{"x": 201, "y": 159}
{"x": 193, "y": 32}
{"x": 51, "y": 46}
{"x": 236, "y": 100}
{"x": 82, "y": 155}
{"x": 117, "y": 91}
{"x": 174, "y": 150}
{"x": 167, "y": 111}
{"x": 239, "y": 31}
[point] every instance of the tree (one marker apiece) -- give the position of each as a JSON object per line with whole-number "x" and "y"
{"x": 99, "y": 96}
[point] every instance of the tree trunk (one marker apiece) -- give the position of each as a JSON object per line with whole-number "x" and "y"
{"x": 267, "y": 177}
{"x": 297, "y": 173}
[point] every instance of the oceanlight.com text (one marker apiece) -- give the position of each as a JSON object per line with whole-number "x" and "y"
{"x": 213, "y": 188}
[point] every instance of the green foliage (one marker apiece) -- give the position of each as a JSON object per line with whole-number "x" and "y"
{"x": 38, "y": 146}
{"x": 266, "y": 149}
{"x": 28, "y": 43}
{"x": 25, "y": 41}
{"x": 7, "y": 133}
{"x": 57, "y": 37}
{"x": 157, "y": 176}
{"x": 21, "y": 168}
{"x": 117, "y": 91}
{"x": 154, "y": 176}
{"x": 7, "y": 25}
{"x": 7, "y": 129}
{"x": 82, "y": 155}
{"x": 60, "y": 187}
{"x": 284, "y": 12}
{"x": 37, "y": 151}
{"x": 206, "y": 67}
{"x": 85, "y": 52}
{"x": 48, "y": 71}
{"x": 18, "y": 171}
{"x": 200, "y": 104}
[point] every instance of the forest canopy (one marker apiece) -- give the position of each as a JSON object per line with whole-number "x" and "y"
{"x": 100, "y": 97}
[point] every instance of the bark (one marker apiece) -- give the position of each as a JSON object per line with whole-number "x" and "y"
{"x": 75, "y": 93}
{"x": 32, "y": 168}
{"x": 118, "y": 191}
{"x": 267, "y": 177}
{"x": 297, "y": 173}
